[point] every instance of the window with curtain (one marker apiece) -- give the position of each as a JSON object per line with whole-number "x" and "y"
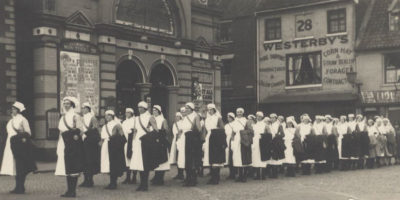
{"x": 392, "y": 68}
{"x": 303, "y": 69}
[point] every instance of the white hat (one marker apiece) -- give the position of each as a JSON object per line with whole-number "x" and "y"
{"x": 328, "y": 117}
{"x": 359, "y": 116}
{"x": 240, "y": 110}
{"x": 182, "y": 109}
{"x": 281, "y": 117}
{"x": 231, "y": 114}
{"x": 158, "y": 108}
{"x": 178, "y": 114}
{"x": 343, "y": 117}
{"x": 143, "y": 104}
{"x": 385, "y": 119}
{"x": 211, "y": 106}
{"x": 251, "y": 117}
{"x": 351, "y": 115}
{"x": 273, "y": 115}
{"x": 86, "y": 104}
{"x": 20, "y": 106}
{"x": 73, "y": 100}
{"x": 267, "y": 119}
{"x": 190, "y": 105}
{"x": 260, "y": 114}
{"x": 110, "y": 112}
{"x": 129, "y": 110}
{"x": 291, "y": 120}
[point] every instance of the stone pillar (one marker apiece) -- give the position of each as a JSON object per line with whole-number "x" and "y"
{"x": 107, "y": 48}
{"x": 172, "y": 102}
{"x": 144, "y": 89}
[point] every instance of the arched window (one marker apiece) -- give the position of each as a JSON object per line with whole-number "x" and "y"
{"x": 153, "y": 15}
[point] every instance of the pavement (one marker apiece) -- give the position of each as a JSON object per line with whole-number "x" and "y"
{"x": 367, "y": 184}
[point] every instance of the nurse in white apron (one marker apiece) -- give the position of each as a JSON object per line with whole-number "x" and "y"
{"x": 129, "y": 127}
{"x": 67, "y": 122}
{"x": 228, "y": 152}
{"x": 17, "y": 124}
{"x": 177, "y": 132}
{"x": 239, "y": 125}
{"x": 342, "y": 129}
{"x": 162, "y": 126}
{"x": 290, "y": 159}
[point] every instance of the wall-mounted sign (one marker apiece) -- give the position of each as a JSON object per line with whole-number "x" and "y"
{"x": 79, "y": 47}
{"x": 376, "y": 97}
{"x": 202, "y": 94}
{"x": 304, "y": 25}
{"x": 79, "y": 77}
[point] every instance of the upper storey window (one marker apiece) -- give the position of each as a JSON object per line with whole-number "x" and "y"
{"x": 153, "y": 15}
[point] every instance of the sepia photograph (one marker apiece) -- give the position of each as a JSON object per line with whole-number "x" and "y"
{"x": 200, "y": 99}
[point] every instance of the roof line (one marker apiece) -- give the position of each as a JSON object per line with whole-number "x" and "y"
{"x": 298, "y": 6}
{"x": 365, "y": 22}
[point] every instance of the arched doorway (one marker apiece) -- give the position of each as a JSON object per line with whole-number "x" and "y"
{"x": 128, "y": 75}
{"x": 160, "y": 78}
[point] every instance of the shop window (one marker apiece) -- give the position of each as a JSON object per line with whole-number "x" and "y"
{"x": 337, "y": 21}
{"x": 226, "y": 32}
{"x": 273, "y": 29}
{"x": 303, "y": 69}
{"x": 392, "y": 68}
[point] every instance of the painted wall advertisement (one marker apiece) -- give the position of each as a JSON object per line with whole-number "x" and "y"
{"x": 79, "y": 77}
{"x": 202, "y": 94}
{"x": 315, "y": 62}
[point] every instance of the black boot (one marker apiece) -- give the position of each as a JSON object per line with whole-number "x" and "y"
{"x": 240, "y": 177}
{"x": 179, "y": 176}
{"x": 17, "y": 185}
{"x": 74, "y": 182}
{"x": 245, "y": 174}
{"x": 275, "y": 171}
{"x": 212, "y": 179}
{"x": 263, "y": 173}
{"x": 144, "y": 178}
{"x": 113, "y": 183}
{"x": 258, "y": 174}
{"x": 188, "y": 178}
{"x": 361, "y": 163}
{"x": 68, "y": 193}
{"x": 217, "y": 175}
{"x": 128, "y": 177}
{"x": 133, "y": 178}
{"x": 156, "y": 178}
{"x": 85, "y": 180}
{"x": 159, "y": 178}
{"x": 232, "y": 173}
{"x": 201, "y": 172}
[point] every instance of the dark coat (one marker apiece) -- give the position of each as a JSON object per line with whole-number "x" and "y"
{"x": 320, "y": 148}
{"x": 332, "y": 152}
{"x": 74, "y": 151}
{"x": 266, "y": 146}
{"x": 246, "y": 139}
{"x": 92, "y": 151}
{"x": 3, "y": 140}
{"x": 152, "y": 151}
{"x": 22, "y": 149}
{"x": 193, "y": 150}
{"x": 278, "y": 145}
{"x": 116, "y": 146}
{"x": 217, "y": 146}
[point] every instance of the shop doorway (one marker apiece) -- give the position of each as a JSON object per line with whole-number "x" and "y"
{"x": 160, "y": 78}
{"x": 128, "y": 95}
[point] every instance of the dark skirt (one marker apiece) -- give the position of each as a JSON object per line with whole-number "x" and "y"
{"x": 298, "y": 149}
{"x": 193, "y": 150}
{"x": 266, "y": 146}
{"x": 310, "y": 147}
{"x": 74, "y": 155}
{"x": 22, "y": 149}
{"x": 347, "y": 142}
{"x": 154, "y": 152}
{"x": 246, "y": 140}
{"x": 278, "y": 148}
{"x": 217, "y": 146}
{"x": 391, "y": 144}
{"x": 116, "y": 146}
{"x": 332, "y": 152}
{"x": 364, "y": 144}
{"x": 355, "y": 148}
{"x": 320, "y": 148}
{"x": 92, "y": 151}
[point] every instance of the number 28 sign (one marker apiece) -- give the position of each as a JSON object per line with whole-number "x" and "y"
{"x": 304, "y": 25}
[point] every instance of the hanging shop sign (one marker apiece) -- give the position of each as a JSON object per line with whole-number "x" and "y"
{"x": 378, "y": 97}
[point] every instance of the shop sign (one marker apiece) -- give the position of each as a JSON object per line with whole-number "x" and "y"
{"x": 79, "y": 47}
{"x": 373, "y": 97}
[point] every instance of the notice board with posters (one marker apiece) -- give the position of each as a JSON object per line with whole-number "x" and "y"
{"x": 80, "y": 77}
{"x": 202, "y": 90}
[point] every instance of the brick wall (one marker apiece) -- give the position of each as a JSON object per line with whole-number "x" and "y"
{"x": 7, "y": 57}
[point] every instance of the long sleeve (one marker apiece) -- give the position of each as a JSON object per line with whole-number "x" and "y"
{"x": 25, "y": 126}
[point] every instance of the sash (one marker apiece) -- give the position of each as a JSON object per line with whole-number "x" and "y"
{"x": 190, "y": 122}
{"x": 177, "y": 128}
{"x": 141, "y": 124}
{"x": 244, "y": 126}
{"x": 108, "y": 131}
{"x": 66, "y": 124}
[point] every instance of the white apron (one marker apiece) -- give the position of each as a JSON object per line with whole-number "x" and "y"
{"x": 228, "y": 133}
{"x": 166, "y": 165}
{"x": 127, "y": 127}
{"x": 274, "y": 130}
{"x": 105, "y": 156}
{"x": 341, "y": 129}
{"x": 352, "y": 126}
{"x": 8, "y": 165}
{"x": 210, "y": 123}
{"x": 259, "y": 129}
{"x": 319, "y": 128}
{"x": 186, "y": 126}
{"x": 173, "y": 153}
{"x": 69, "y": 118}
{"x": 289, "y": 155}
{"x": 236, "y": 147}
{"x": 137, "y": 157}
